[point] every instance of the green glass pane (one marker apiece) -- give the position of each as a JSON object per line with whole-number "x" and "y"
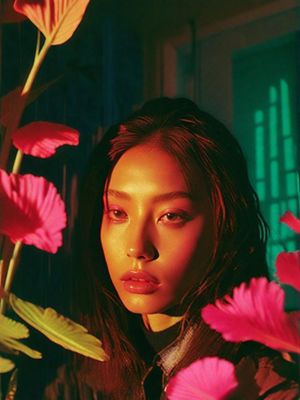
{"x": 273, "y": 94}
{"x": 260, "y": 152}
{"x": 289, "y": 155}
{"x": 274, "y": 220}
{"x": 285, "y": 108}
{"x": 273, "y": 124}
{"x": 293, "y": 206}
{"x": 261, "y": 190}
{"x": 291, "y": 183}
{"x": 274, "y": 179}
{"x": 258, "y": 117}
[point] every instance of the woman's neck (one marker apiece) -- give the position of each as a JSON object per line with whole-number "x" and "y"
{"x": 159, "y": 322}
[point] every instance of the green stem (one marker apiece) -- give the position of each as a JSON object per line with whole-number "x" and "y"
{"x": 13, "y": 263}
{"x": 17, "y": 162}
{"x": 38, "y": 59}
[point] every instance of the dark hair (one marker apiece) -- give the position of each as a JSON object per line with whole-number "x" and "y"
{"x": 200, "y": 144}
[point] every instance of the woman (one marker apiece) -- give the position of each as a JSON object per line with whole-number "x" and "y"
{"x": 168, "y": 223}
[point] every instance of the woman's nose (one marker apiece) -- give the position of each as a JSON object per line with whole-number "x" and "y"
{"x": 141, "y": 246}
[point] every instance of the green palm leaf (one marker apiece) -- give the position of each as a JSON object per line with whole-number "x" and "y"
{"x": 12, "y": 328}
{"x": 6, "y": 365}
{"x": 15, "y": 345}
{"x": 59, "y": 329}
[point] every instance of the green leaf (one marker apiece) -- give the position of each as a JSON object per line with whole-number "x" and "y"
{"x": 59, "y": 329}
{"x": 6, "y": 365}
{"x": 12, "y": 328}
{"x": 15, "y": 345}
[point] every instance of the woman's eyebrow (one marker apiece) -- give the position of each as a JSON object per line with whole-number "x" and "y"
{"x": 158, "y": 198}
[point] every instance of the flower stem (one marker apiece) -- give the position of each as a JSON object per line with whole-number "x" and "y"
{"x": 17, "y": 162}
{"x": 15, "y": 119}
{"x": 13, "y": 263}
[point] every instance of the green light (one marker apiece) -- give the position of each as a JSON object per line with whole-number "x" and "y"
{"x": 260, "y": 152}
{"x": 285, "y": 108}
{"x": 258, "y": 117}
{"x": 291, "y": 183}
{"x": 273, "y": 94}
{"x": 288, "y": 151}
{"x": 274, "y": 220}
{"x": 274, "y": 179}
{"x": 261, "y": 190}
{"x": 273, "y": 123}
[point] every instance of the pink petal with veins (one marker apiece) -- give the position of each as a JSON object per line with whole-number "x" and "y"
{"x": 255, "y": 313}
{"x": 288, "y": 268}
{"x": 210, "y": 378}
{"x": 291, "y": 221}
{"x": 31, "y": 211}
{"x": 41, "y": 139}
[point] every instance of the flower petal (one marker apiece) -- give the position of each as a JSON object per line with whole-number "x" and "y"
{"x": 288, "y": 268}
{"x": 255, "y": 313}
{"x": 56, "y": 19}
{"x": 41, "y": 139}
{"x": 210, "y": 378}
{"x": 291, "y": 221}
{"x": 31, "y": 211}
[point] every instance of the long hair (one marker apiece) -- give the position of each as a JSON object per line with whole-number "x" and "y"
{"x": 201, "y": 145}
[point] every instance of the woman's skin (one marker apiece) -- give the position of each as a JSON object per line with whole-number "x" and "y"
{"x": 157, "y": 239}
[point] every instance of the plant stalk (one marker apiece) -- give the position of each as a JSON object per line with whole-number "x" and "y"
{"x": 15, "y": 119}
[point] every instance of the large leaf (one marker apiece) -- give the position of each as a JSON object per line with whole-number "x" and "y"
{"x": 6, "y": 365}
{"x": 56, "y": 19}
{"x": 16, "y": 346}
{"x": 12, "y": 330}
{"x": 59, "y": 329}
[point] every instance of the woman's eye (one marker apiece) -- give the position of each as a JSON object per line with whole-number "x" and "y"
{"x": 116, "y": 215}
{"x": 174, "y": 218}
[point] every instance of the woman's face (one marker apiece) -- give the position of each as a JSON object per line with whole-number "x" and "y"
{"x": 157, "y": 239}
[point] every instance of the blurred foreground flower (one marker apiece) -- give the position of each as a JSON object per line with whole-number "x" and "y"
{"x": 291, "y": 221}
{"x": 56, "y": 19}
{"x": 41, "y": 139}
{"x": 32, "y": 212}
{"x": 255, "y": 313}
{"x": 288, "y": 268}
{"x": 209, "y": 378}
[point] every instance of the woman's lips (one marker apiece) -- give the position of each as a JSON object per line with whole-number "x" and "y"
{"x": 140, "y": 282}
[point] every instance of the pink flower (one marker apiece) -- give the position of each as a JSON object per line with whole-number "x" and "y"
{"x": 41, "y": 139}
{"x": 56, "y": 19}
{"x": 210, "y": 378}
{"x": 255, "y": 313}
{"x": 291, "y": 221}
{"x": 31, "y": 211}
{"x": 288, "y": 268}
